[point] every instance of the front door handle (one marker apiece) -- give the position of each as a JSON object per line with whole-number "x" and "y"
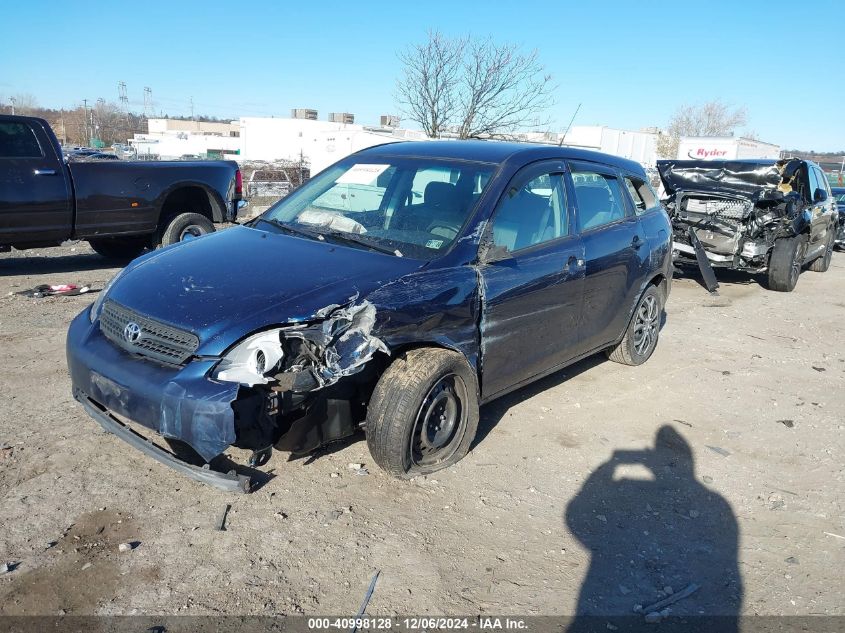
{"x": 636, "y": 242}
{"x": 44, "y": 172}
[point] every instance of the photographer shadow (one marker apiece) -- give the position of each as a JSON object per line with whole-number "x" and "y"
{"x": 654, "y": 531}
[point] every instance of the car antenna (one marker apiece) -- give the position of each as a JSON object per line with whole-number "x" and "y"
{"x": 574, "y": 114}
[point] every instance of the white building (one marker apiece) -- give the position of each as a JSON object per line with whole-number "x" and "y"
{"x": 264, "y": 139}
{"x": 724, "y": 148}
{"x": 638, "y": 146}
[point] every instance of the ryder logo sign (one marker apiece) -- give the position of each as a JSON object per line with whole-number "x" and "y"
{"x": 705, "y": 153}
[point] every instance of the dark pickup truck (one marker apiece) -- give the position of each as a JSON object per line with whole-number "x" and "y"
{"x": 119, "y": 207}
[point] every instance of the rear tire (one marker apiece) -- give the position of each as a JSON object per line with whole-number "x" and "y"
{"x": 185, "y": 224}
{"x": 120, "y": 248}
{"x": 785, "y": 262}
{"x": 423, "y": 413}
{"x": 822, "y": 263}
{"x": 640, "y": 339}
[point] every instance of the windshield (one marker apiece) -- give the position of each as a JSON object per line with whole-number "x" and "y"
{"x": 411, "y": 206}
{"x": 840, "y": 196}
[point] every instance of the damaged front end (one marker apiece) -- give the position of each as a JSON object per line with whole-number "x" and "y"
{"x": 730, "y": 213}
{"x": 293, "y": 387}
{"x": 292, "y": 394}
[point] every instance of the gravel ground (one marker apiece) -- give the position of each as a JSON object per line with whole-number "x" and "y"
{"x": 717, "y": 463}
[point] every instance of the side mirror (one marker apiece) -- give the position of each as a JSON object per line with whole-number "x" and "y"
{"x": 820, "y": 195}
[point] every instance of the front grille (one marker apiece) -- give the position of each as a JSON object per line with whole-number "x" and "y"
{"x": 718, "y": 207}
{"x": 155, "y": 340}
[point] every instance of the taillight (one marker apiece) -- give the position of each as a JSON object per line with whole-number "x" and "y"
{"x": 239, "y": 183}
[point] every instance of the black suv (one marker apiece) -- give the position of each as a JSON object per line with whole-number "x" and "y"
{"x": 752, "y": 215}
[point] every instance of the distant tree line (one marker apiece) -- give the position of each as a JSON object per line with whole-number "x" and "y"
{"x": 80, "y": 125}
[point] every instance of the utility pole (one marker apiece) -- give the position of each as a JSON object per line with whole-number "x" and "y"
{"x": 121, "y": 94}
{"x": 12, "y": 101}
{"x": 148, "y": 101}
{"x": 85, "y": 117}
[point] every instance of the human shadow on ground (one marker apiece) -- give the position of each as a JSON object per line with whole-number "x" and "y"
{"x": 654, "y": 532}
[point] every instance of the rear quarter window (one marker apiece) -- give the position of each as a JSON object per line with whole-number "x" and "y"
{"x": 642, "y": 194}
{"x": 17, "y": 140}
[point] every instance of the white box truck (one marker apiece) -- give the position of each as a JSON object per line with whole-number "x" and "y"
{"x": 724, "y": 148}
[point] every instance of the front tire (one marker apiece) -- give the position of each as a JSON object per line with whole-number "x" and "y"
{"x": 640, "y": 339}
{"x": 785, "y": 262}
{"x": 185, "y": 225}
{"x": 120, "y": 248}
{"x": 423, "y": 413}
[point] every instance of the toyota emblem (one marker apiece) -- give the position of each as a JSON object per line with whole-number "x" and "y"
{"x": 132, "y": 332}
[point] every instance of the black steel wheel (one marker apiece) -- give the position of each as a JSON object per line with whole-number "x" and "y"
{"x": 423, "y": 413}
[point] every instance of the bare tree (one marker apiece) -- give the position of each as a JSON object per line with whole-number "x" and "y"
{"x": 427, "y": 90}
{"x": 502, "y": 90}
{"x": 25, "y": 103}
{"x": 472, "y": 88}
{"x": 713, "y": 118}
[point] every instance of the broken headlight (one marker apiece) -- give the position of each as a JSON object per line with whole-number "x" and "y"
{"x": 252, "y": 360}
{"x": 97, "y": 306}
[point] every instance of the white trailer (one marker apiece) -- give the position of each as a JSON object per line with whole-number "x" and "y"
{"x": 724, "y": 148}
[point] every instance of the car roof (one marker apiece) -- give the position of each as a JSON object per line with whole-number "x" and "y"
{"x": 494, "y": 152}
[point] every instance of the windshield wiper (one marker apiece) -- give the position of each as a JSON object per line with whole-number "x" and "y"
{"x": 353, "y": 238}
{"x": 291, "y": 229}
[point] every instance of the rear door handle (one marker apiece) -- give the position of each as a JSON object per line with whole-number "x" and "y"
{"x": 44, "y": 172}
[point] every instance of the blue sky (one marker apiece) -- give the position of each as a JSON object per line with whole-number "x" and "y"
{"x": 629, "y": 64}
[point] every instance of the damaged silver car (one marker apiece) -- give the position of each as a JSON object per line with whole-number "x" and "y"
{"x": 759, "y": 216}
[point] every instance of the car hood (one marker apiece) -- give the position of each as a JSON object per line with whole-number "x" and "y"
{"x": 738, "y": 177}
{"x": 228, "y": 284}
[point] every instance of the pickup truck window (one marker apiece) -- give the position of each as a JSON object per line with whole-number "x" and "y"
{"x": 17, "y": 140}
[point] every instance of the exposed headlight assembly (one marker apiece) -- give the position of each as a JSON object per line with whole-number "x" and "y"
{"x": 97, "y": 306}
{"x": 253, "y": 360}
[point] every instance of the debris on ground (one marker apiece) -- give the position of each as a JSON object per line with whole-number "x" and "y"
{"x": 221, "y": 524}
{"x": 787, "y": 423}
{"x": 675, "y": 597}
{"x": 367, "y": 596}
{"x": 5, "y": 568}
{"x": 48, "y": 290}
{"x": 126, "y": 547}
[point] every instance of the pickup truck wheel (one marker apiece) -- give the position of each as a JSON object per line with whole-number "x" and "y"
{"x": 785, "y": 262}
{"x": 423, "y": 413}
{"x": 120, "y": 248}
{"x": 822, "y": 263}
{"x": 185, "y": 225}
{"x": 640, "y": 339}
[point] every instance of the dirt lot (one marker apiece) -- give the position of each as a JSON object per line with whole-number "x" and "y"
{"x": 728, "y": 443}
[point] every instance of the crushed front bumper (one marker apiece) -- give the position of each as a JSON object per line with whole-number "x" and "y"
{"x": 230, "y": 482}
{"x": 181, "y": 403}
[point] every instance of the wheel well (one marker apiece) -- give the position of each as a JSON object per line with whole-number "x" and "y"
{"x": 184, "y": 200}
{"x": 661, "y": 282}
{"x": 380, "y": 361}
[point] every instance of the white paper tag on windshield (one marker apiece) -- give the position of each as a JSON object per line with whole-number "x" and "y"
{"x": 362, "y": 174}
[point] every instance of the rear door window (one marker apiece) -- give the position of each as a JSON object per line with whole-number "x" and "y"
{"x": 598, "y": 197}
{"x": 17, "y": 140}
